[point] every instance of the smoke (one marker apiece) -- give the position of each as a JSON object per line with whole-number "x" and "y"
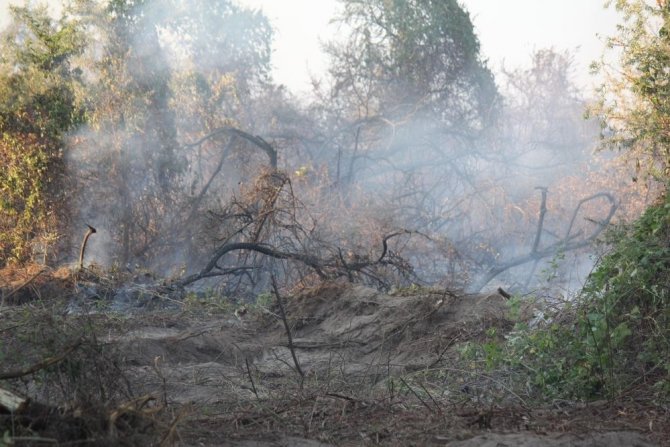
{"x": 163, "y": 188}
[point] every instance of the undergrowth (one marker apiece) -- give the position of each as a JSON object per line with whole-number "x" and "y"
{"x": 78, "y": 387}
{"x": 615, "y": 337}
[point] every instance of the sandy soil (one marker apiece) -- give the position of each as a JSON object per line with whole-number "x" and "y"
{"x": 375, "y": 369}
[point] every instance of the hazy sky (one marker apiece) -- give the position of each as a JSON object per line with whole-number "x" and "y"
{"x": 509, "y": 31}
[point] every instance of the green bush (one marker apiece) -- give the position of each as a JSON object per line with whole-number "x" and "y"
{"x": 616, "y": 335}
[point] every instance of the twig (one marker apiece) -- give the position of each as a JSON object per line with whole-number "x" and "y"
{"x": 342, "y": 396}
{"x": 308, "y": 260}
{"x": 40, "y": 365}
{"x": 254, "y": 139}
{"x": 444, "y": 351}
{"x": 32, "y": 439}
{"x": 567, "y": 244}
{"x": 159, "y": 373}
{"x": 417, "y": 395}
{"x": 173, "y": 426}
{"x": 288, "y": 329}
{"x": 437, "y": 405}
{"x": 251, "y": 379}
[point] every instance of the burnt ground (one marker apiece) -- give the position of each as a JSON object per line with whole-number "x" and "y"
{"x": 375, "y": 369}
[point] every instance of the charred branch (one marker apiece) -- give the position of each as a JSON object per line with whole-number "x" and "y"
{"x": 328, "y": 268}
{"x": 570, "y": 242}
{"x": 540, "y": 223}
{"x": 310, "y": 261}
{"x": 82, "y": 251}
{"x": 253, "y": 139}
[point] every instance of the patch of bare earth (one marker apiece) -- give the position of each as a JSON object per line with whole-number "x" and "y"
{"x": 373, "y": 369}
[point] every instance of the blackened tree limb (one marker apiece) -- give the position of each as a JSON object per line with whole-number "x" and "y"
{"x": 311, "y": 261}
{"x": 540, "y": 222}
{"x": 601, "y": 224}
{"x": 385, "y": 246}
{"x": 82, "y": 251}
{"x": 336, "y": 265}
{"x": 254, "y": 139}
{"x": 569, "y": 243}
{"x": 358, "y": 266}
{"x": 217, "y": 170}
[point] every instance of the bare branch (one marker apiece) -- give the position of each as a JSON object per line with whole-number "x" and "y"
{"x": 287, "y": 327}
{"x": 254, "y": 139}
{"x": 569, "y": 243}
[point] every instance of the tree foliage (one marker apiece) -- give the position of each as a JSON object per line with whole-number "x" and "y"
{"x": 635, "y": 103}
{"x": 406, "y": 57}
{"x": 38, "y": 105}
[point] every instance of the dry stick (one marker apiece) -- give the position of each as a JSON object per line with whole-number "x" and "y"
{"x": 251, "y": 379}
{"x": 167, "y": 438}
{"x": 437, "y": 405}
{"x": 90, "y": 231}
{"x": 288, "y": 329}
{"x": 156, "y": 368}
{"x": 538, "y": 234}
{"x": 40, "y": 365}
{"x": 309, "y": 260}
{"x": 11, "y": 402}
{"x": 33, "y": 439}
{"x": 540, "y": 223}
{"x": 444, "y": 351}
{"x": 254, "y": 139}
{"x": 417, "y": 396}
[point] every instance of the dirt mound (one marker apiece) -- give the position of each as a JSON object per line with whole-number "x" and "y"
{"x": 410, "y": 330}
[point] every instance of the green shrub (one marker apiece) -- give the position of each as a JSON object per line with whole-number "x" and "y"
{"x": 616, "y": 335}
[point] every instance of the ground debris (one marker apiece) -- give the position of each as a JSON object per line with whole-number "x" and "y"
{"x": 379, "y": 369}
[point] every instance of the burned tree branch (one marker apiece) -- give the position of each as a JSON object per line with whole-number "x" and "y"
{"x": 254, "y": 139}
{"x": 602, "y": 224}
{"x": 385, "y": 243}
{"x": 217, "y": 170}
{"x": 336, "y": 265}
{"x": 89, "y": 232}
{"x": 310, "y": 261}
{"x": 569, "y": 243}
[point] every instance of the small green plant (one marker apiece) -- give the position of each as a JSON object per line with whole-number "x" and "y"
{"x": 264, "y": 300}
{"x": 208, "y": 300}
{"x": 489, "y": 353}
{"x": 552, "y": 271}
